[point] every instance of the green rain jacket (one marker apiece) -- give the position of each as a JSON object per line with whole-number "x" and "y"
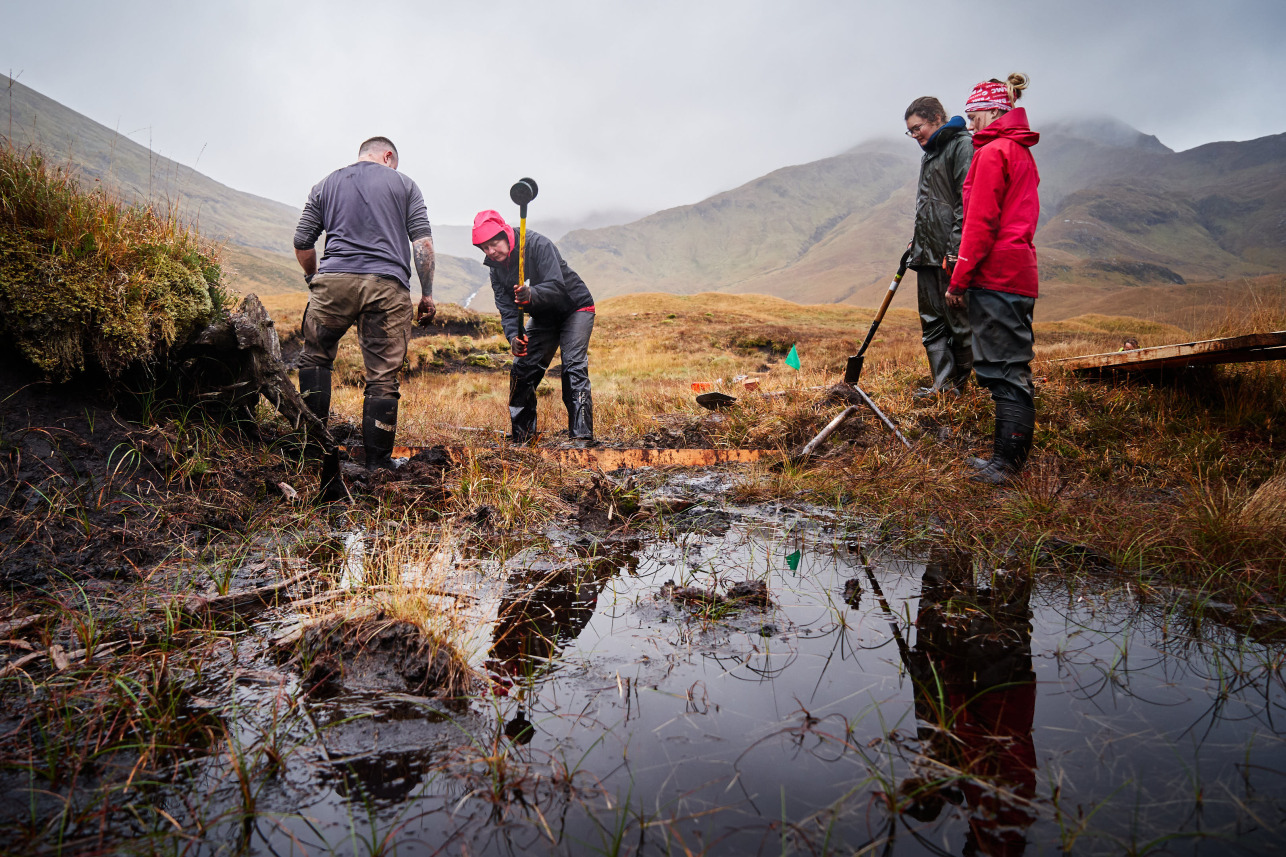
{"x": 939, "y": 206}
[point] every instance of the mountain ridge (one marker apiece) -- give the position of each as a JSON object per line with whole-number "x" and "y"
{"x": 258, "y": 232}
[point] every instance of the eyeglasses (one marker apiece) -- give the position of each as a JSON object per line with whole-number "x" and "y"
{"x": 915, "y": 129}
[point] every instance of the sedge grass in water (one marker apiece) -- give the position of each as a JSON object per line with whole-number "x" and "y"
{"x": 898, "y": 703}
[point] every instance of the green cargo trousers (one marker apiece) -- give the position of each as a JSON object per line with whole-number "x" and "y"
{"x": 382, "y": 310}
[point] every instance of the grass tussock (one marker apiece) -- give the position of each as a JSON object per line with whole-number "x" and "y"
{"x": 91, "y": 283}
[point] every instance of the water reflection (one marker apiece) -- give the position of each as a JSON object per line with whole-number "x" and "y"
{"x": 545, "y": 606}
{"x": 975, "y": 702}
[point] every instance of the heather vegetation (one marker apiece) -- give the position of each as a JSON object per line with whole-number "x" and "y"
{"x": 92, "y": 284}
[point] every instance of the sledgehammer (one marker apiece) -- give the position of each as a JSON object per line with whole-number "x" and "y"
{"x": 523, "y": 191}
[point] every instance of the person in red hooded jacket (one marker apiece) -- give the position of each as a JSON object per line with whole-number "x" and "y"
{"x": 997, "y": 267}
{"x": 561, "y": 310}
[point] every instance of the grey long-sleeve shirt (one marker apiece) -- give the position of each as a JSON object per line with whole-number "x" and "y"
{"x": 370, "y": 214}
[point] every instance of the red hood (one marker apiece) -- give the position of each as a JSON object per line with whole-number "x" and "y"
{"x": 489, "y": 224}
{"x": 1012, "y": 126}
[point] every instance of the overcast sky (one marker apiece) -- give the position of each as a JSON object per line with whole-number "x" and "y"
{"x": 619, "y": 105}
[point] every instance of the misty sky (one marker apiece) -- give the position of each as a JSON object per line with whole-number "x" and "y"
{"x": 612, "y": 105}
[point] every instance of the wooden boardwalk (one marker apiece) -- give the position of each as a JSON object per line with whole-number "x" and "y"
{"x": 1233, "y": 349}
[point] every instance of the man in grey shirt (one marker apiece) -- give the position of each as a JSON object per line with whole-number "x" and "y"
{"x": 374, "y": 219}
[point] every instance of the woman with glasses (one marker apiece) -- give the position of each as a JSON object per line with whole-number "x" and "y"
{"x": 939, "y": 213}
{"x": 997, "y": 267}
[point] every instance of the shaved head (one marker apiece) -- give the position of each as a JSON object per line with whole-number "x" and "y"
{"x": 377, "y": 146}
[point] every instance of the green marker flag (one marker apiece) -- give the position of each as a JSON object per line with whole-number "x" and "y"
{"x": 792, "y": 359}
{"x": 793, "y": 560}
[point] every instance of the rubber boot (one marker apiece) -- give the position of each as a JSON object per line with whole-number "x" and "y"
{"x": 314, "y": 388}
{"x": 983, "y": 463}
{"x": 580, "y": 419}
{"x": 962, "y": 360}
{"x": 1015, "y": 425}
{"x": 523, "y": 409}
{"x": 379, "y": 425}
{"x": 942, "y": 367}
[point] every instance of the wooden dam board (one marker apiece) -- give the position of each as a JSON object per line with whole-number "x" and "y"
{"x": 1234, "y": 349}
{"x": 607, "y": 458}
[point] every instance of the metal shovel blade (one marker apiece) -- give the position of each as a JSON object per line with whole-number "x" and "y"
{"x": 853, "y": 369}
{"x": 523, "y": 191}
{"x": 715, "y": 401}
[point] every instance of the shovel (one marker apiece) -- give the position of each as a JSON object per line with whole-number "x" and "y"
{"x": 853, "y": 369}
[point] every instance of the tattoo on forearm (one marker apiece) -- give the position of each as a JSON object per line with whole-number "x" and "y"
{"x": 425, "y": 264}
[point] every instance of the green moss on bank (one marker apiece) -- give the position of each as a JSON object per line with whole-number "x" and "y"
{"x": 89, "y": 283}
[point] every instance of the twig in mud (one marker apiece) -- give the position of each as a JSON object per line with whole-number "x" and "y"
{"x": 14, "y": 627}
{"x": 197, "y": 604}
{"x": 62, "y": 660}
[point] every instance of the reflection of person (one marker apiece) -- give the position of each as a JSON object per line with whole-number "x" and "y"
{"x": 373, "y": 217}
{"x": 562, "y": 318}
{"x": 975, "y": 692}
{"x": 939, "y": 213}
{"x": 997, "y": 267}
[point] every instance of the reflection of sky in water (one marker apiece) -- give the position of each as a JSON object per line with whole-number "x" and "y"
{"x": 712, "y": 730}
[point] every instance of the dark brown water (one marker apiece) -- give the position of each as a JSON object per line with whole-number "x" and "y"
{"x": 935, "y": 706}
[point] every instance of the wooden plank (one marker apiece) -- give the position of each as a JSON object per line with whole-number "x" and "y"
{"x": 1234, "y": 349}
{"x": 607, "y": 458}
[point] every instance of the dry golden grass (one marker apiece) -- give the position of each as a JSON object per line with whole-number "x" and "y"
{"x": 1146, "y": 474}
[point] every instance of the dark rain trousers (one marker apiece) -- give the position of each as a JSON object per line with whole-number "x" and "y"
{"x": 571, "y": 336}
{"x": 381, "y": 308}
{"x": 1003, "y": 344}
{"x": 946, "y": 334}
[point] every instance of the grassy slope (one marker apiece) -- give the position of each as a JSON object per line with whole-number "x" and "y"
{"x": 257, "y": 231}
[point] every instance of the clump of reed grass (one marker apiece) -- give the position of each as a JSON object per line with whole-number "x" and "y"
{"x": 87, "y": 282}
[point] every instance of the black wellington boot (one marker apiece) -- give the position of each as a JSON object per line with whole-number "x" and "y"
{"x": 379, "y": 424}
{"x": 314, "y": 388}
{"x": 580, "y": 418}
{"x": 942, "y": 367}
{"x": 1015, "y": 425}
{"x": 962, "y": 358}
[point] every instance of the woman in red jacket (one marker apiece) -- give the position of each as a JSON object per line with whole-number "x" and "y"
{"x": 996, "y": 268}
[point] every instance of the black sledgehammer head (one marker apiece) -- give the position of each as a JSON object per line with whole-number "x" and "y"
{"x": 523, "y": 191}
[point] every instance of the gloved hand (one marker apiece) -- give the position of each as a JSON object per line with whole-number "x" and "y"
{"x": 949, "y": 263}
{"x": 522, "y": 294}
{"x": 518, "y": 346}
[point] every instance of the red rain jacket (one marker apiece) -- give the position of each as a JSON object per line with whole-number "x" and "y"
{"x": 1001, "y": 207}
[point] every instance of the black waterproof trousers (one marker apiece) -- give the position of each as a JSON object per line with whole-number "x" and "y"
{"x": 1003, "y": 344}
{"x": 571, "y": 335}
{"x": 944, "y": 331}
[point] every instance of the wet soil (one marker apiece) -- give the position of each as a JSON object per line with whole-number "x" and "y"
{"x": 658, "y": 671}
{"x": 376, "y": 653}
{"x": 88, "y": 488}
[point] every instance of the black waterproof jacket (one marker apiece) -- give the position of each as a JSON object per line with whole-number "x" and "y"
{"x": 939, "y": 206}
{"x": 556, "y": 290}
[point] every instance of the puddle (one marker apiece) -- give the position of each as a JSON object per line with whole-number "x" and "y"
{"x": 917, "y": 705}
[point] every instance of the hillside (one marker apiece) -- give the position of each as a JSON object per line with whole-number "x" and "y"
{"x": 257, "y": 231}
{"x": 1120, "y": 211}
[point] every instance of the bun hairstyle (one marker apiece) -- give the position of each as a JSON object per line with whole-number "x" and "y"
{"x": 1015, "y": 83}
{"x": 996, "y": 94}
